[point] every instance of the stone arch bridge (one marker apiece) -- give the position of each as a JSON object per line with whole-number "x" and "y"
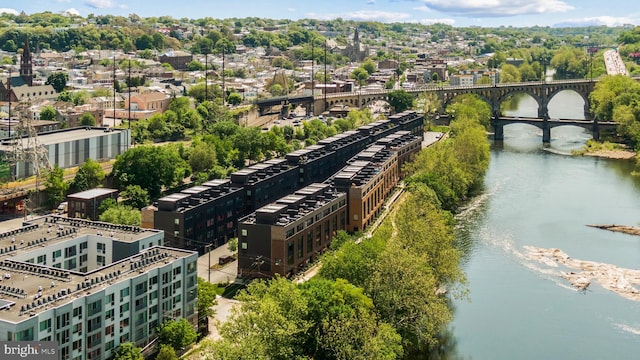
{"x": 494, "y": 95}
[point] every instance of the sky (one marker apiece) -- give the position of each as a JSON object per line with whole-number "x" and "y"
{"x": 459, "y": 13}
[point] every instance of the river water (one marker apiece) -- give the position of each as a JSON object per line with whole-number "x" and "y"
{"x": 536, "y": 195}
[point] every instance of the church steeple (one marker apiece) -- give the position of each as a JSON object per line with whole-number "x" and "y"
{"x": 26, "y": 64}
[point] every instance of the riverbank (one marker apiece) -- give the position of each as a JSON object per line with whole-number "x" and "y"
{"x": 606, "y": 150}
{"x": 612, "y": 154}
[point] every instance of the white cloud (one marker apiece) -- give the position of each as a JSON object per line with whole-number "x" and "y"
{"x": 104, "y": 4}
{"x": 597, "y": 21}
{"x": 291, "y": 10}
{"x": 371, "y": 2}
{"x": 364, "y": 15}
{"x": 9, "y": 11}
{"x": 498, "y": 8}
{"x": 437, "y": 21}
{"x": 422, "y": 8}
{"x": 63, "y": 1}
{"x": 71, "y": 11}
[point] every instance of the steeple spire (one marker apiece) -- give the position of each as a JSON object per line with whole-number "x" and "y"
{"x": 26, "y": 64}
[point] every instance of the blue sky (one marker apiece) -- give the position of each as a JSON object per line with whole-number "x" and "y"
{"x": 453, "y": 12}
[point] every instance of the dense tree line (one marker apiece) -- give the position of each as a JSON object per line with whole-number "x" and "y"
{"x": 617, "y": 98}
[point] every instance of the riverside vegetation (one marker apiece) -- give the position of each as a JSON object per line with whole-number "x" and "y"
{"x": 387, "y": 297}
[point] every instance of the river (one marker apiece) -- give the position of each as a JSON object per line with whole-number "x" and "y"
{"x": 537, "y": 195}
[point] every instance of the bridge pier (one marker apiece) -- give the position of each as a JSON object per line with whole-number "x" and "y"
{"x": 596, "y": 130}
{"x": 546, "y": 133}
{"x": 498, "y": 132}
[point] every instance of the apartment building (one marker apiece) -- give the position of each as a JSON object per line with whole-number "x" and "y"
{"x": 284, "y": 236}
{"x": 91, "y": 286}
{"x": 200, "y": 216}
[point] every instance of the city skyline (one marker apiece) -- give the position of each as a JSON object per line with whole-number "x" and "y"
{"x": 485, "y": 13}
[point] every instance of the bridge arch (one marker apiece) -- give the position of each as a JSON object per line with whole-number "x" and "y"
{"x": 511, "y": 94}
{"x": 447, "y": 98}
{"x": 585, "y": 98}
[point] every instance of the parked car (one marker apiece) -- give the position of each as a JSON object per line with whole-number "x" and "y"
{"x": 62, "y": 208}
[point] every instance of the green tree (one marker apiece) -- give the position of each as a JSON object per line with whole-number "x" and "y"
{"x": 127, "y": 351}
{"x": 202, "y": 157}
{"x": 58, "y": 80}
{"x": 177, "y": 333}
{"x": 405, "y": 295}
{"x": 107, "y": 204}
{"x": 369, "y": 66}
{"x": 360, "y": 75}
{"x": 345, "y": 323}
{"x": 195, "y": 66}
{"x": 87, "y": 119}
{"x": 400, "y": 100}
{"x": 55, "y": 186}
{"x": 234, "y": 99}
{"x": 207, "y": 293}
{"x": 166, "y": 353}
{"x": 89, "y": 176}
{"x": 270, "y": 323}
{"x": 150, "y": 167}
{"x": 509, "y": 74}
{"x": 135, "y": 196}
{"x": 232, "y": 245}
{"x": 121, "y": 214}
{"x": 48, "y": 113}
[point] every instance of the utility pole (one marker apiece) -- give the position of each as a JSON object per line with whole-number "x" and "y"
{"x": 224, "y": 93}
{"x": 206, "y": 72}
{"x": 114, "y": 90}
{"x": 313, "y": 83}
{"x": 9, "y": 93}
{"x": 325, "y": 76}
{"x": 129, "y": 116}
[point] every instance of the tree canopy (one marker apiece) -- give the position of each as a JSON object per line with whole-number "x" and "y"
{"x": 150, "y": 167}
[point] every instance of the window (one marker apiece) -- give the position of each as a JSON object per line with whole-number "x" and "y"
{"x": 57, "y": 254}
{"x": 70, "y": 251}
{"x": 45, "y": 325}
{"x": 154, "y": 280}
{"x": 77, "y": 312}
{"x": 101, "y": 248}
{"x": 244, "y": 245}
{"x": 100, "y": 260}
{"x": 290, "y": 253}
{"x": 83, "y": 246}
{"x": 244, "y": 232}
{"x": 124, "y": 292}
{"x": 123, "y": 308}
{"x": 94, "y": 308}
{"x": 110, "y": 299}
{"x": 42, "y": 259}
